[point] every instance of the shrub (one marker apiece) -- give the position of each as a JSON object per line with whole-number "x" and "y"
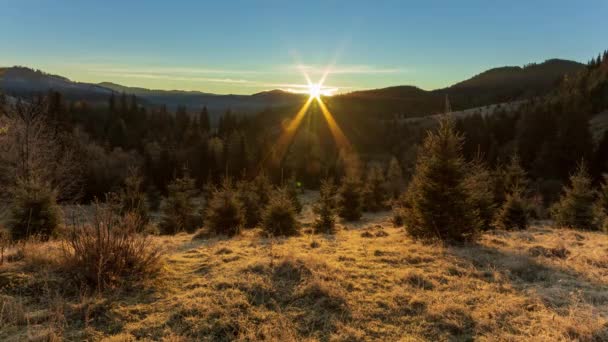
{"x": 513, "y": 214}
{"x": 325, "y": 208}
{"x": 575, "y": 208}
{"x": 350, "y": 199}
{"x": 178, "y": 209}
{"x": 34, "y": 210}
{"x": 252, "y": 209}
{"x": 479, "y": 184}
{"x": 437, "y": 202}
{"x": 374, "y": 193}
{"x": 224, "y": 214}
{"x": 109, "y": 253}
{"x": 279, "y": 217}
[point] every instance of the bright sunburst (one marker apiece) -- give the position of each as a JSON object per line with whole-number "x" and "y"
{"x": 314, "y": 90}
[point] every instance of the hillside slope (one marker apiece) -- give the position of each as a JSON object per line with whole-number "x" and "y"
{"x": 367, "y": 282}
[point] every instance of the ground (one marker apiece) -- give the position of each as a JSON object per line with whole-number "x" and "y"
{"x": 369, "y": 281}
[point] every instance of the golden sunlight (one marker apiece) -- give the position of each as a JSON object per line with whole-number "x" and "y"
{"x": 314, "y": 90}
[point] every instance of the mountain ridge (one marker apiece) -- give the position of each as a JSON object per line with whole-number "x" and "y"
{"x": 494, "y": 85}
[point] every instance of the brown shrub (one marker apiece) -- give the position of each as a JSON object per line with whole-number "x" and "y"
{"x": 109, "y": 252}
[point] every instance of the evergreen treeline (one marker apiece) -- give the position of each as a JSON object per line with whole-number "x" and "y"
{"x": 55, "y": 150}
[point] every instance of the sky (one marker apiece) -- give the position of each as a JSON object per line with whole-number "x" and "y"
{"x": 243, "y": 47}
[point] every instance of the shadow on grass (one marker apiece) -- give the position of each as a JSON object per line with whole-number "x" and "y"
{"x": 554, "y": 285}
{"x": 301, "y": 291}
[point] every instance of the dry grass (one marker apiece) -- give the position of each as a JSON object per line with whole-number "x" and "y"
{"x": 366, "y": 282}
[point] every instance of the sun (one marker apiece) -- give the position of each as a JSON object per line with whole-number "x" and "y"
{"x": 314, "y": 90}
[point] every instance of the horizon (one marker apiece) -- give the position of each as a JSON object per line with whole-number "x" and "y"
{"x": 303, "y": 90}
{"x": 268, "y": 46}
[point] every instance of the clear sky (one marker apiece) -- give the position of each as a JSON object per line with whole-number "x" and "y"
{"x": 243, "y": 47}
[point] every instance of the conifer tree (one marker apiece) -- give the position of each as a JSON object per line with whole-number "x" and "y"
{"x": 263, "y": 188}
{"x": 279, "y": 217}
{"x": 34, "y": 210}
{"x": 133, "y": 199}
{"x": 325, "y": 207}
{"x": 374, "y": 191}
{"x": 350, "y": 199}
{"x": 291, "y": 188}
{"x": 178, "y": 210}
{"x": 437, "y": 203}
{"x": 513, "y": 214}
{"x": 480, "y": 185}
{"x": 224, "y": 212}
{"x": 249, "y": 198}
{"x": 515, "y": 177}
{"x": 575, "y": 208}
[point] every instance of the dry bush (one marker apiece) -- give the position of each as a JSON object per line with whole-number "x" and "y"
{"x": 109, "y": 252}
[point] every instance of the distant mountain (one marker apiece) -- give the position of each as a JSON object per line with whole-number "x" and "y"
{"x": 24, "y": 82}
{"x": 498, "y": 85}
{"x": 492, "y": 86}
{"x": 215, "y": 103}
{"x": 510, "y": 83}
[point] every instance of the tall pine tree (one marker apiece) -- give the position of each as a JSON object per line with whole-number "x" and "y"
{"x": 575, "y": 208}
{"x": 438, "y": 203}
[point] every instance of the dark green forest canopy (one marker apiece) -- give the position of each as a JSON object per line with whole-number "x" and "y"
{"x": 549, "y": 128}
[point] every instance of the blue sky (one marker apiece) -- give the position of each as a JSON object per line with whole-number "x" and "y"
{"x": 244, "y": 47}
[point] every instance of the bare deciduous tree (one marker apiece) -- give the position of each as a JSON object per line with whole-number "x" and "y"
{"x": 29, "y": 148}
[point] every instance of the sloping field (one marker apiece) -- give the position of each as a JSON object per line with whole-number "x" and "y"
{"x": 367, "y": 282}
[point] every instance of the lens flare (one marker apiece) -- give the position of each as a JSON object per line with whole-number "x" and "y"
{"x": 315, "y": 92}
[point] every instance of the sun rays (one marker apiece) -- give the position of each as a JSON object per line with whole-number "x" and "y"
{"x": 315, "y": 91}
